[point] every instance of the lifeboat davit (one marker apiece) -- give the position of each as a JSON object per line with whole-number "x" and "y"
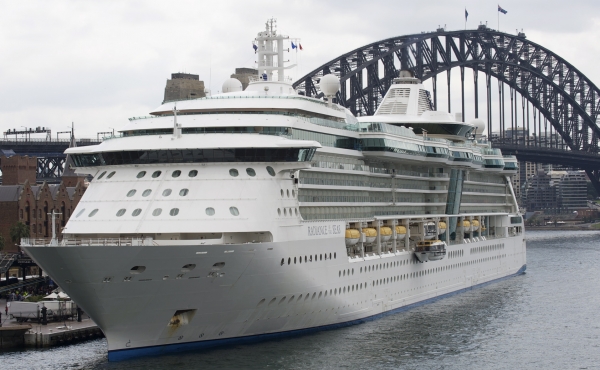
{"x": 370, "y": 234}
{"x": 352, "y": 236}
{"x": 430, "y": 250}
{"x": 386, "y": 233}
{"x": 400, "y": 232}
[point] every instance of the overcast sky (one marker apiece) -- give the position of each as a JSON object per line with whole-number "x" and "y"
{"x": 97, "y": 63}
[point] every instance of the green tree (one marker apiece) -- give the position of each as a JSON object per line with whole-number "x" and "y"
{"x": 18, "y": 231}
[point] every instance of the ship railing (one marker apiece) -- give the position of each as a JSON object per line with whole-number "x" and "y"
{"x": 91, "y": 242}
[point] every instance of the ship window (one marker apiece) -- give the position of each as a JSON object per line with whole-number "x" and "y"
{"x": 156, "y": 174}
{"x": 288, "y": 193}
{"x": 296, "y": 210}
{"x": 110, "y": 175}
{"x": 174, "y": 212}
{"x": 193, "y": 173}
{"x": 102, "y": 175}
{"x": 166, "y": 192}
{"x": 210, "y": 211}
{"x": 131, "y": 192}
{"x": 233, "y": 172}
{"x": 79, "y": 213}
{"x": 176, "y": 173}
{"x": 251, "y": 172}
{"x": 93, "y": 213}
{"x": 121, "y": 212}
{"x": 282, "y": 261}
{"x": 146, "y": 192}
{"x": 285, "y": 211}
{"x": 282, "y": 193}
{"x": 279, "y": 211}
{"x": 157, "y": 212}
{"x": 270, "y": 170}
{"x": 136, "y": 212}
{"x": 293, "y": 194}
{"x": 183, "y": 192}
{"x": 234, "y": 211}
{"x": 141, "y": 174}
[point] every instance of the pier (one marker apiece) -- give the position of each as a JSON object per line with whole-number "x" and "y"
{"x": 55, "y": 333}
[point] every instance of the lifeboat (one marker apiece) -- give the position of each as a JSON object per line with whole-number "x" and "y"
{"x": 463, "y": 226}
{"x": 430, "y": 250}
{"x": 386, "y": 233}
{"x": 441, "y": 227}
{"x": 429, "y": 229}
{"x": 352, "y": 236}
{"x": 400, "y": 232}
{"x": 475, "y": 225}
{"x": 370, "y": 234}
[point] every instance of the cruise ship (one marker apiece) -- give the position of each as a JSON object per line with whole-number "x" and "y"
{"x": 257, "y": 213}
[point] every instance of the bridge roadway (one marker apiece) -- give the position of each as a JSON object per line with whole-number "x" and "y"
{"x": 50, "y": 154}
{"x": 568, "y": 158}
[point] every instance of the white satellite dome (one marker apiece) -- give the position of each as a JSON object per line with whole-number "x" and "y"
{"x": 479, "y": 125}
{"x": 231, "y": 85}
{"x": 329, "y": 84}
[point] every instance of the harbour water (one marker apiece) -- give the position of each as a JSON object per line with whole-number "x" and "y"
{"x": 546, "y": 318}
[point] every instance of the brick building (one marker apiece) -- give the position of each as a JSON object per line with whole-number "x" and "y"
{"x": 25, "y": 201}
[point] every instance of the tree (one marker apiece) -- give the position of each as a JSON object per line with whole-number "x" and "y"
{"x": 18, "y": 231}
{"x": 2, "y": 243}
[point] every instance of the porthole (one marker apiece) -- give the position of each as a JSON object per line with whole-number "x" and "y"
{"x": 183, "y": 192}
{"x": 121, "y": 212}
{"x": 131, "y": 193}
{"x": 166, "y": 192}
{"x": 281, "y": 193}
{"x": 251, "y": 172}
{"x": 136, "y": 212}
{"x": 234, "y": 211}
{"x": 288, "y": 193}
{"x": 176, "y": 173}
{"x": 80, "y": 213}
{"x": 141, "y": 174}
{"x": 279, "y": 211}
{"x": 146, "y": 192}
{"x": 233, "y": 172}
{"x": 110, "y": 175}
{"x": 174, "y": 211}
{"x": 296, "y": 210}
{"x": 193, "y": 173}
{"x": 102, "y": 175}
{"x": 156, "y": 174}
{"x": 157, "y": 212}
{"x": 93, "y": 213}
{"x": 285, "y": 211}
{"x": 210, "y": 211}
{"x": 293, "y": 193}
{"x": 270, "y": 170}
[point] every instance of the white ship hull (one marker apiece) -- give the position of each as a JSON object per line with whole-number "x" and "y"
{"x": 253, "y": 295}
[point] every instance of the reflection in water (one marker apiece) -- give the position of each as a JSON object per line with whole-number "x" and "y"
{"x": 543, "y": 319}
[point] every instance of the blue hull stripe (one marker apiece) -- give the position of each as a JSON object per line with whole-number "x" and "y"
{"x": 126, "y": 354}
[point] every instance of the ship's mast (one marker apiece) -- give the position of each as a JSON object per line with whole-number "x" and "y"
{"x": 270, "y": 45}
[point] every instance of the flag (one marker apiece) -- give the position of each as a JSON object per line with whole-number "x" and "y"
{"x": 300, "y": 46}
{"x": 293, "y": 45}
{"x": 255, "y": 48}
{"x": 466, "y": 14}
{"x": 501, "y": 10}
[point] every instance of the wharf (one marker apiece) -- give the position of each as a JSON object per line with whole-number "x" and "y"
{"x": 55, "y": 333}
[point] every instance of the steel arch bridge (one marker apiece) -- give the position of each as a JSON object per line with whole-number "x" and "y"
{"x": 564, "y": 103}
